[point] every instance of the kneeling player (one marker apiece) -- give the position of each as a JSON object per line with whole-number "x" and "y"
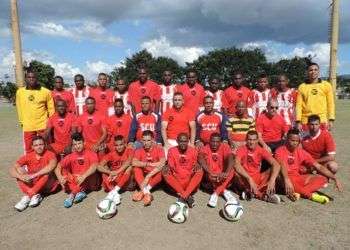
{"x": 293, "y": 159}
{"x": 183, "y": 173}
{"x": 147, "y": 163}
{"x": 32, "y": 172}
{"x": 115, "y": 168}
{"x": 76, "y": 172}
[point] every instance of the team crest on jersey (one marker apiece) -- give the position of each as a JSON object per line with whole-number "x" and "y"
{"x": 193, "y": 92}
{"x": 239, "y": 94}
{"x": 103, "y": 96}
{"x": 60, "y": 123}
{"x": 119, "y": 124}
{"x": 90, "y": 120}
{"x": 215, "y": 157}
{"x": 250, "y": 159}
{"x": 31, "y": 98}
{"x": 182, "y": 160}
{"x": 290, "y": 160}
{"x": 81, "y": 161}
{"x": 314, "y": 91}
{"x": 143, "y": 90}
{"x": 171, "y": 118}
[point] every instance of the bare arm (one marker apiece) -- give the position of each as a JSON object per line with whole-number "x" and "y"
{"x": 325, "y": 172}
{"x": 192, "y": 132}
{"x": 164, "y": 133}
{"x": 326, "y": 158}
{"x": 47, "y": 169}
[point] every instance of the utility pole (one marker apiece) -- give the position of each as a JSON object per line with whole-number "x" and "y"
{"x": 334, "y": 44}
{"x": 17, "y": 47}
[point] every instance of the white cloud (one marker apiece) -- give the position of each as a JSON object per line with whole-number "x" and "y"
{"x": 92, "y": 69}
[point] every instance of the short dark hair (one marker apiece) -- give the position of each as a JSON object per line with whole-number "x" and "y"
{"x": 119, "y": 100}
{"x": 146, "y": 97}
{"x": 78, "y": 75}
{"x": 36, "y": 138}
{"x": 77, "y": 136}
{"x": 312, "y": 118}
{"x": 191, "y": 71}
{"x": 32, "y": 71}
{"x": 263, "y": 75}
{"x": 90, "y": 98}
{"x": 182, "y": 134}
{"x": 312, "y": 64}
{"x": 178, "y": 93}
{"x": 59, "y": 77}
{"x": 118, "y": 138}
{"x": 102, "y": 74}
{"x": 293, "y": 131}
{"x": 216, "y": 134}
{"x": 148, "y": 133}
{"x": 252, "y": 132}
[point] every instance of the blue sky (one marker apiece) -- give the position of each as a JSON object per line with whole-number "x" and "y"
{"x": 88, "y": 36}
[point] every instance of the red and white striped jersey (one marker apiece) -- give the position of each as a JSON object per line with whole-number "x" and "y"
{"x": 217, "y": 96}
{"x": 126, "y": 101}
{"x": 79, "y": 98}
{"x": 286, "y": 104}
{"x": 257, "y": 102}
{"x": 166, "y": 98}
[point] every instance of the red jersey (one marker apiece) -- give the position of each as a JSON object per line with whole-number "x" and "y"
{"x": 79, "y": 99}
{"x": 193, "y": 97}
{"x": 286, "y": 104}
{"x": 143, "y": 122}
{"x": 91, "y": 126}
{"x": 166, "y": 97}
{"x": 320, "y": 145}
{"x": 182, "y": 165}
{"x": 216, "y": 160}
{"x": 271, "y": 129}
{"x": 65, "y": 95}
{"x": 119, "y": 125}
{"x": 103, "y": 98}
{"x": 155, "y": 154}
{"x": 78, "y": 163}
{"x": 126, "y": 101}
{"x": 207, "y": 124}
{"x": 115, "y": 160}
{"x": 138, "y": 90}
{"x": 62, "y": 127}
{"x": 217, "y": 97}
{"x": 251, "y": 159}
{"x": 178, "y": 121}
{"x": 32, "y": 164}
{"x": 294, "y": 161}
{"x": 232, "y": 96}
{"x": 257, "y": 102}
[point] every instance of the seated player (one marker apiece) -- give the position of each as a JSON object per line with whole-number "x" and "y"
{"x": 293, "y": 159}
{"x": 183, "y": 174}
{"x": 32, "y": 172}
{"x": 116, "y": 168}
{"x": 147, "y": 163}
{"x": 320, "y": 144}
{"x": 76, "y": 171}
{"x": 250, "y": 157}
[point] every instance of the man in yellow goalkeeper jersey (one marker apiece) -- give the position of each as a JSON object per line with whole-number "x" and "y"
{"x": 315, "y": 97}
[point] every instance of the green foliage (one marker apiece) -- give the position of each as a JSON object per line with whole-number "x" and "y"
{"x": 8, "y": 90}
{"x": 45, "y": 73}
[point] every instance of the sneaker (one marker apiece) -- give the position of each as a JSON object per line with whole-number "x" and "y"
{"x": 213, "y": 200}
{"x": 319, "y": 198}
{"x": 273, "y": 199}
{"x": 69, "y": 201}
{"x": 137, "y": 196}
{"x": 23, "y": 203}
{"x": 190, "y": 201}
{"x": 79, "y": 197}
{"x": 147, "y": 199}
{"x": 229, "y": 196}
{"x": 35, "y": 200}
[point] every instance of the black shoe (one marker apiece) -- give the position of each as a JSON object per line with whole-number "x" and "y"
{"x": 190, "y": 201}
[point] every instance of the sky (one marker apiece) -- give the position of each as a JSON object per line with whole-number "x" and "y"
{"x": 89, "y": 36}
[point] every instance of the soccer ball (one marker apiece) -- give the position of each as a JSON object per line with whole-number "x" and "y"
{"x": 178, "y": 212}
{"x": 232, "y": 210}
{"x": 106, "y": 209}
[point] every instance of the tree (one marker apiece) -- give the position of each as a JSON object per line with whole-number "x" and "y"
{"x": 45, "y": 73}
{"x": 8, "y": 90}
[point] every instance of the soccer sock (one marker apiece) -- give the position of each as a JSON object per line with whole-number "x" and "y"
{"x": 227, "y": 195}
{"x": 319, "y": 198}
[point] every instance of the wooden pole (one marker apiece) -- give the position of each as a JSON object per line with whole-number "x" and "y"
{"x": 334, "y": 44}
{"x": 17, "y": 47}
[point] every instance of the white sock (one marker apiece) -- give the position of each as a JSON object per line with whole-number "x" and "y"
{"x": 227, "y": 194}
{"x": 147, "y": 189}
{"x": 116, "y": 189}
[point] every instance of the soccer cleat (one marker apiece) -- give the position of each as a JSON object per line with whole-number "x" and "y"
{"x": 247, "y": 196}
{"x": 35, "y": 200}
{"x": 137, "y": 196}
{"x": 213, "y": 200}
{"x": 79, "y": 197}
{"x": 147, "y": 199}
{"x": 190, "y": 201}
{"x": 273, "y": 199}
{"x": 319, "y": 198}
{"x": 23, "y": 203}
{"x": 69, "y": 201}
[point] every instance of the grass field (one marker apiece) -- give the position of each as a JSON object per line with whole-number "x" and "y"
{"x": 299, "y": 225}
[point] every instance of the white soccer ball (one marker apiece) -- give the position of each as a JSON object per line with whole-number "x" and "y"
{"x": 178, "y": 212}
{"x": 106, "y": 209}
{"x": 232, "y": 210}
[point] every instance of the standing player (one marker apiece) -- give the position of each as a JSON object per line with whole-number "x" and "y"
{"x": 320, "y": 144}
{"x": 215, "y": 92}
{"x": 121, "y": 92}
{"x": 102, "y": 95}
{"x": 148, "y": 163}
{"x": 59, "y": 93}
{"x": 116, "y": 168}
{"x": 32, "y": 172}
{"x": 315, "y": 97}
{"x": 293, "y": 160}
{"x": 167, "y": 92}
{"x": 80, "y": 93}
{"x": 234, "y": 93}
{"x": 183, "y": 174}
{"x": 34, "y": 106}
{"x": 76, "y": 171}
{"x": 258, "y": 98}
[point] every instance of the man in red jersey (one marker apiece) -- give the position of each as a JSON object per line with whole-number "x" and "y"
{"x": 80, "y": 93}
{"x": 59, "y": 93}
{"x": 76, "y": 172}
{"x": 183, "y": 174}
{"x": 147, "y": 163}
{"x": 320, "y": 144}
{"x": 192, "y": 92}
{"x": 215, "y": 92}
{"x": 236, "y": 92}
{"x": 208, "y": 122}
{"x": 32, "y": 172}
{"x": 118, "y": 124}
{"x": 102, "y": 94}
{"x": 177, "y": 120}
{"x": 62, "y": 126}
{"x": 258, "y": 98}
{"x": 167, "y": 89}
{"x": 143, "y": 87}
{"x": 293, "y": 160}
{"x": 116, "y": 168}
{"x": 121, "y": 92}
{"x": 250, "y": 156}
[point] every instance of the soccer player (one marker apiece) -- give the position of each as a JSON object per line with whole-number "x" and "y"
{"x": 320, "y": 144}
{"x": 59, "y": 93}
{"x": 34, "y": 106}
{"x": 183, "y": 174}
{"x": 143, "y": 87}
{"x": 250, "y": 156}
{"x": 145, "y": 120}
{"x": 80, "y": 93}
{"x": 209, "y": 121}
{"x": 167, "y": 89}
{"x": 147, "y": 163}
{"x": 258, "y": 98}
{"x": 215, "y": 92}
{"x": 293, "y": 160}
{"x": 178, "y": 120}
{"x": 234, "y": 93}
{"x": 116, "y": 168}
{"x": 286, "y": 98}
{"x": 121, "y": 92}
{"x": 76, "y": 171}
{"x": 315, "y": 97}
{"x": 32, "y": 172}
{"x": 102, "y": 95}
{"x": 62, "y": 126}
{"x": 193, "y": 93}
